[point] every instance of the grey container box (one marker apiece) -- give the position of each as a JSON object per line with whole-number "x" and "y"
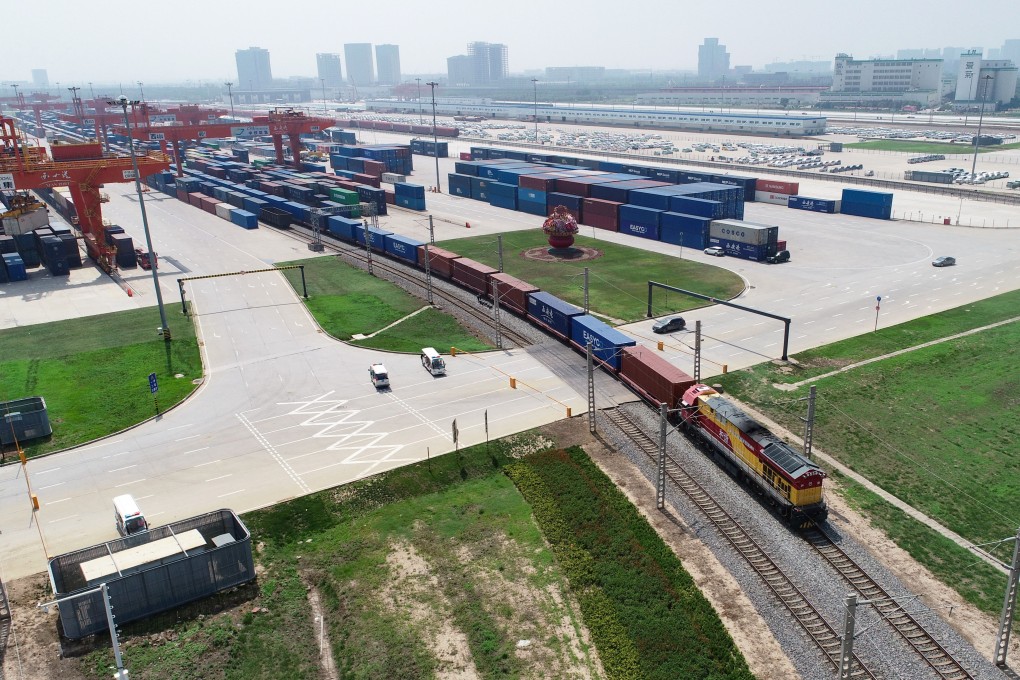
{"x": 24, "y": 419}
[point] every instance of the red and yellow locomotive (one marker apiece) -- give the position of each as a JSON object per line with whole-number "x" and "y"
{"x": 749, "y": 451}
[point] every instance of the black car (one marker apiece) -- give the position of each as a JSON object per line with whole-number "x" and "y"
{"x": 943, "y": 261}
{"x": 779, "y": 257}
{"x": 669, "y": 325}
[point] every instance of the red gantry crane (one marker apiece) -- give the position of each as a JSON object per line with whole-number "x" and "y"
{"x": 94, "y": 113}
{"x": 84, "y": 168}
{"x": 278, "y": 123}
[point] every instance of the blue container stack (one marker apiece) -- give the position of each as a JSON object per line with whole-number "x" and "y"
{"x": 867, "y": 204}
{"x": 684, "y": 230}
{"x": 502, "y": 195}
{"x": 640, "y": 221}
{"x": 428, "y": 147}
{"x": 409, "y": 195}
{"x": 14, "y": 267}
{"x": 533, "y": 201}
{"x": 460, "y": 185}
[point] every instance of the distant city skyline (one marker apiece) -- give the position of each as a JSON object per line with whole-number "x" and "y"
{"x": 537, "y": 35}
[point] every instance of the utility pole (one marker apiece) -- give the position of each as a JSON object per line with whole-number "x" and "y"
{"x": 428, "y": 275}
{"x": 1008, "y": 607}
{"x": 432, "y": 231}
{"x": 660, "y": 485}
{"x": 499, "y": 250}
{"x": 368, "y": 245}
{"x": 420, "y": 122}
{"x": 981, "y": 117}
{"x": 809, "y": 422}
{"x": 585, "y": 290}
{"x": 846, "y": 651}
{"x": 591, "y": 388}
{"x": 230, "y": 95}
{"x": 697, "y": 351}
{"x": 495, "y": 314}
{"x": 534, "y": 82}
{"x": 435, "y": 138}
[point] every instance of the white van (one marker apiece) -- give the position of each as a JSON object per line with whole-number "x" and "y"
{"x": 128, "y": 517}
{"x": 432, "y": 362}
{"x": 378, "y": 375}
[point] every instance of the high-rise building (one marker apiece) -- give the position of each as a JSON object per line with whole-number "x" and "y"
{"x": 253, "y": 69}
{"x": 985, "y": 80}
{"x": 328, "y": 69}
{"x": 458, "y": 69}
{"x": 713, "y": 60}
{"x": 1011, "y": 50}
{"x": 488, "y": 62}
{"x": 360, "y": 70}
{"x": 387, "y": 62}
{"x": 40, "y": 78}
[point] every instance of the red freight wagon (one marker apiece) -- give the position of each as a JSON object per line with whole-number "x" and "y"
{"x": 513, "y": 293}
{"x": 401, "y": 127}
{"x": 472, "y": 274}
{"x": 776, "y": 186}
{"x": 447, "y": 131}
{"x": 653, "y": 377}
{"x": 440, "y": 261}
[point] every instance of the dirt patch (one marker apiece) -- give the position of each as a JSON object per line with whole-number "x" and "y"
{"x": 325, "y": 645}
{"x": 764, "y": 656}
{"x": 33, "y": 650}
{"x": 413, "y": 589}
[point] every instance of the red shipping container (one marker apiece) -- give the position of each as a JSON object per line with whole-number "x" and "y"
{"x": 598, "y": 206}
{"x": 209, "y": 204}
{"x": 447, "y": 131}
{"x": 362, "y": 178}
{"x": 391, "y": 198}
{"x": 473, "y": 275}
{"x": 513, "y": 293}
{"x": 780, "y": 245}
{"x": 566, "y": 186}
{"x": 440, "y": 261}
{"x": 182, "y": 195}
{"x": 195, "y": 199}
{"x": 465, "y": 156}
{"x": 653, "y": 377}
{"x": 545, "y": 181}
{"x": 607, "y": 222}
{"x": 777, "y": 186}
{"x": 76, "y": 152}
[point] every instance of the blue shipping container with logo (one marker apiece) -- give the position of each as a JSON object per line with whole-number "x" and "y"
{"x": 606, "y": 341}
{"x": 403, "y": 247}
{"x": 460, "y": 185}
{"x": 376, "y": 236}
{"x": 747, "y": 251}
{"x": 823, "y": 205}
{"x": 480, "y": 189}
{"x": 552, "y": 313}
{"x": 639, "y": 221}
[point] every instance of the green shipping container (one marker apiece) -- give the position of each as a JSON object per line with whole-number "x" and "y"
{"x": 343, "y": 196}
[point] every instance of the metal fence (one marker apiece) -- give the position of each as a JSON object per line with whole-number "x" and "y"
{"x": 223, "y": 561}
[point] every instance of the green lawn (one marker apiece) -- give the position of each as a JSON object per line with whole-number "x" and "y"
{"x": 93, "y": 372}
{"x": 927, "y": 147}
{"x": 936, "y": 427}
{"x": 618, "y": 281}
{"x": 346, "y": 301}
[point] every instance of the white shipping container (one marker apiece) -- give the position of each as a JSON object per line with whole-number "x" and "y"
{"x": 739, "y": 231}
{"x": 393, "y": 178}
{"x": 771, "y": 197}
{"x": 223, "y": 210}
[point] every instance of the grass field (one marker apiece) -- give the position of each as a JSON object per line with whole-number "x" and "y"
{"x": 93, "y": 372}
{"x": 449, "y": 555}
{"x": 935, "y": 427}
{"x": 927, "y": 147}
{"x": 346, "y": 301}
{"x": 618, "y": 281}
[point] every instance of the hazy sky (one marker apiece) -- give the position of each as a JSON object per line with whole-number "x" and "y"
{"x": 177, "y": 40}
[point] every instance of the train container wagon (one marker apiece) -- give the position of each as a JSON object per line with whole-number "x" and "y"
{"x": 440, "y": 261}
{"x": 606, "y": 341}
{"x": 750, "y": 452}
{"x": 513, "y": 293}
{"x": 472, "y": 275}
{"x": 403, "y": 247}
{"x": 652, "y": 377}
{"x": 376, "y": 237}
{"x": 551, "y": 313}
{"x": 341, "y": 227}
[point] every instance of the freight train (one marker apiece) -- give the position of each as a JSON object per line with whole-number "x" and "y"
{"x": 787, "y": 481}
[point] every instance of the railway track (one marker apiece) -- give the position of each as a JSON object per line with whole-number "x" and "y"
{"x": 940, "y": 660}
{"x": 810, "y": 619}
{"x": 482, "y": 314}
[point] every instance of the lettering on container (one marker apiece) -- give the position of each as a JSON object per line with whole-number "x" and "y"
{"x": 732, "y": 232}
{"x": 638, "y": 228}
{"x": 596, "y": 341}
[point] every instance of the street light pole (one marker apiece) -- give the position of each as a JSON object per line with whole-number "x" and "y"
{"x": 123, "y": 102}
{"x": 420, "y": 121}
{"x": 91, "y": 91}
{"x": 140, "y": 92}
{"x": 534, "y": 82}
{"x": 230, "y": 95}
{"x": 758, "y": 110}
{"x": 981, "y": 115}
{"x": 323, "y": 81}
{"x": 435, "y": 138}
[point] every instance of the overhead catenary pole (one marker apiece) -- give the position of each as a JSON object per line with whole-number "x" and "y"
{"x": 585, "y": 290}
{"x": 591, "y": 387}
{"x": 495, "y": 314}
{"x": 846, "y": 651}
{"x": 697, "y": 351}
{"x": 428, "y": 274}
{"x": 809, "y": 422}
{"x": 1008, "y": 607}
{"x": 499, "y": 250}
{"x": 123, "y": 102}
{"x": 660, "y": 485}
{"x": 435, "y": 135}
{"x": 534, "y": 82}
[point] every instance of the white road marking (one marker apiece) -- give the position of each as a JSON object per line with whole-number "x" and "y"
{"x": 142, "y": 498}
{"x": 830, "y": 329}
{"x": 230, "y": 494}
{"x": 43, "y": 472}
{"x": 62, "y": 519}
{"x": 43, "y": 488}
{"x": 188, "y": 437}
{"x": 178, "y": 427}
{"x": 195, "y": 450}
{"x": 59, "y": 501}
{"x": 129, "y": 483}
{"x": 124, "y": 468}
{"x": 220, "y": 477}
{"x": 209, "y": 462}
{"x": 114, "y": 455}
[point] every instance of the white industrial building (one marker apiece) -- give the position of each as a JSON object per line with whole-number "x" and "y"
{"x": 760, "y": 96}
{"x": 889, "y": 81}
{"x": 985, "y": 81}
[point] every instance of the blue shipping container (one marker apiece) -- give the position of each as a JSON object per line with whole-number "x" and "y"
{"x": 866, "y": 210}
{"x": 746, "y": 251}
{"x": 342, "y": 227}
{"x": 552, "y": 313}
{"x": 606, "y": 341}
{"x": 689, "y": 205}
{"x": 243, "y": 218}
{"x": 376, "y": 236}
{"x": 684, "y": 230}
{"x": 867, "y": 197}
{"x": 403, "y": 247}
{"x": 824, "y": 205}
{"x": 532, "y": 207}
{"x": 569, "y": 201}
{"x": 459, "y": 185}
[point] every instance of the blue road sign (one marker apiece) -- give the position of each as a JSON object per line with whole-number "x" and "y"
{"x": 153, "y": 385}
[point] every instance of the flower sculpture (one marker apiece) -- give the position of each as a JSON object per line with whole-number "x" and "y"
{"x": 560, "y": 227}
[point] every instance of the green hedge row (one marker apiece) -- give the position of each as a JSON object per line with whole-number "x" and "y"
{"x": 647, "y": 616}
